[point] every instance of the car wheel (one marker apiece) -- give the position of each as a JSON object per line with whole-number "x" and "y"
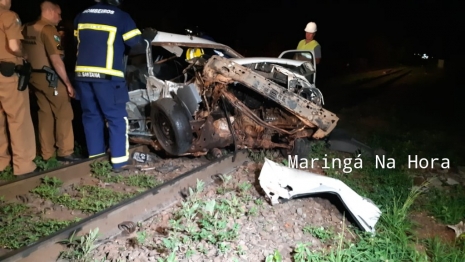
{"x": 171, "y": 126}
{"x": 302, "y": 149}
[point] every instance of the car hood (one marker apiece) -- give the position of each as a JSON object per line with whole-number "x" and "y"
{"x": 252, "y": 60}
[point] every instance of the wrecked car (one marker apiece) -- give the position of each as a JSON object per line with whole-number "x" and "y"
{"x": 191, "y": 96}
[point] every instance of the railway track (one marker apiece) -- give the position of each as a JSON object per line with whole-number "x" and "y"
{"x": 67, "y": 173}
{"x": 138, "y": 205}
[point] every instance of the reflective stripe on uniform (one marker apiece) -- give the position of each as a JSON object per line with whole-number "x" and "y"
{"x": 95, "y": 69}
{"x": 97, "y": 155}
{"x": 122, "y": 159}
{"x": 131, "y": 34}
{"x": 110, "y": 51}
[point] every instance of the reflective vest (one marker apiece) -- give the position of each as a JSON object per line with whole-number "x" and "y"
{"x": 307, "y": 46}
{"x": 101, "y": 32}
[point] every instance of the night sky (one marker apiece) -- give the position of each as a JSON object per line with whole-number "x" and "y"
{"x": 380, "y": 31}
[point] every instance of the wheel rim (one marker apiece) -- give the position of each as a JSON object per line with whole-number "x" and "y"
{"x": 165, "y": 129}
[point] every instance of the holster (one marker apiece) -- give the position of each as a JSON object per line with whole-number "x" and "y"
{"x": 50, "y": 74}
{"x": 24, "y": 71}
{"x": 7, "y": 69}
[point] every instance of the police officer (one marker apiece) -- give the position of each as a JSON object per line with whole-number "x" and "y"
{"x": 102, "y": 32}
{"x": 14, "y": 103}
{"x": 42, "y": 44}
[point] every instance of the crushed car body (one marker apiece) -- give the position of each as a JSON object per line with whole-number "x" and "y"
{"x": 283, "y": 182}
{"x": 189, "y": 95}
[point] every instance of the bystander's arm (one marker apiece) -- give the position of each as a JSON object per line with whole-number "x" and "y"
{"x": 55, "y": 52}
{"x": 317, "y": 52}
{"x": 12, "y": 27}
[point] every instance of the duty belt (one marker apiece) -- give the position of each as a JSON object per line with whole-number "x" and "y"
{"x": 8, "y": 69}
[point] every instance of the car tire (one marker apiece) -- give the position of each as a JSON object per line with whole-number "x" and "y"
{"x": 171, "y": 126}
{"x": 302, "y": 149}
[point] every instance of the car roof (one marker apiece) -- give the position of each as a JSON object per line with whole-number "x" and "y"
{"x": 170, "y": 39}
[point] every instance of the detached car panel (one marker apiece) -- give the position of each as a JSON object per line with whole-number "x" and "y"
{"x": 281, "y": 182}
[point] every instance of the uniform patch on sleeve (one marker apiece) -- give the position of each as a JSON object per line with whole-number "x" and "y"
{"x": 57, "y": 38}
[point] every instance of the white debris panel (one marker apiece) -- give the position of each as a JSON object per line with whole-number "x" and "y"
{"x": 280, "y": 181}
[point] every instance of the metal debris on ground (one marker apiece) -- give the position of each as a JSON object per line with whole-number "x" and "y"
{"x": 144, "y": 157}
{"x": 459, "y": 229}
{"x": 451, "y": 181}
{"x": 167, "y": 168}
{"x": 279, "y": 181}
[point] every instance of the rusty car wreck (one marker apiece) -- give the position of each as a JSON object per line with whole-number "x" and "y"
{"x": 219, "y": 99}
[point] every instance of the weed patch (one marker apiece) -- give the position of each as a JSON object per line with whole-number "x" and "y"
{"x": 447, "y": 206}
{"x": 20, "y": 226}
{"x": 90, "y": 199}
{"x": 199, "y": 224}
{"x": 102, "y": 171}
{"x": 7, "y": 174}
{"x": 440, "y": 252}
{"x": 79, "y": 249}
{"x": 45, "y": 165}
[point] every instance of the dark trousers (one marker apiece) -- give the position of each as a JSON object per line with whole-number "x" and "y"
{"x": 102, "y": 101}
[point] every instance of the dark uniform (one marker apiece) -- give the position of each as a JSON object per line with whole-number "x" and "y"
{"x": 41, "y": 40}
{"x": 102, "y": 32}
{"x": 14, "y": 104}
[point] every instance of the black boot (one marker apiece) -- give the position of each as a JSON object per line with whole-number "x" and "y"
{"x": 123, "y": 168}
{"x": 69, "y": 158}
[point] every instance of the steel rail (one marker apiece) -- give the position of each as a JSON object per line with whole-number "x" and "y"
{"x": 136, "y": 209}
{"x": 68, "y": 174}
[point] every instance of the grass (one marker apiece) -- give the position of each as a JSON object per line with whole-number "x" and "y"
{"x": 102, "y": 171}
{"x": 43, "y": 165}
{"x": 7, "y": 174}
{"x": 20, "y": 226}
{"x": 447, "y": 206}
{"x": 394, "y": 193}
{"x": 393, "y": 190}
{"x": 85, "y": 198}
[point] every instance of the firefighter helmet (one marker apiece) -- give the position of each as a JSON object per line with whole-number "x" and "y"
{"x": 192, "y": 53}
{"x": 111, "y": 2}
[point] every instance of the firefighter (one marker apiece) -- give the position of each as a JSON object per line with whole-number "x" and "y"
{"x": 51, "y": 84}
{"x": 102, "y": 32}
{"x": 14, "y": 99}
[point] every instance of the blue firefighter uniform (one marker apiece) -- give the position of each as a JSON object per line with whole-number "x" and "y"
{"x": 102, "y": 32}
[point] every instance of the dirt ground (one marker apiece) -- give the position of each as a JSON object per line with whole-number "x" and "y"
{"x": 279, "y": 227}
